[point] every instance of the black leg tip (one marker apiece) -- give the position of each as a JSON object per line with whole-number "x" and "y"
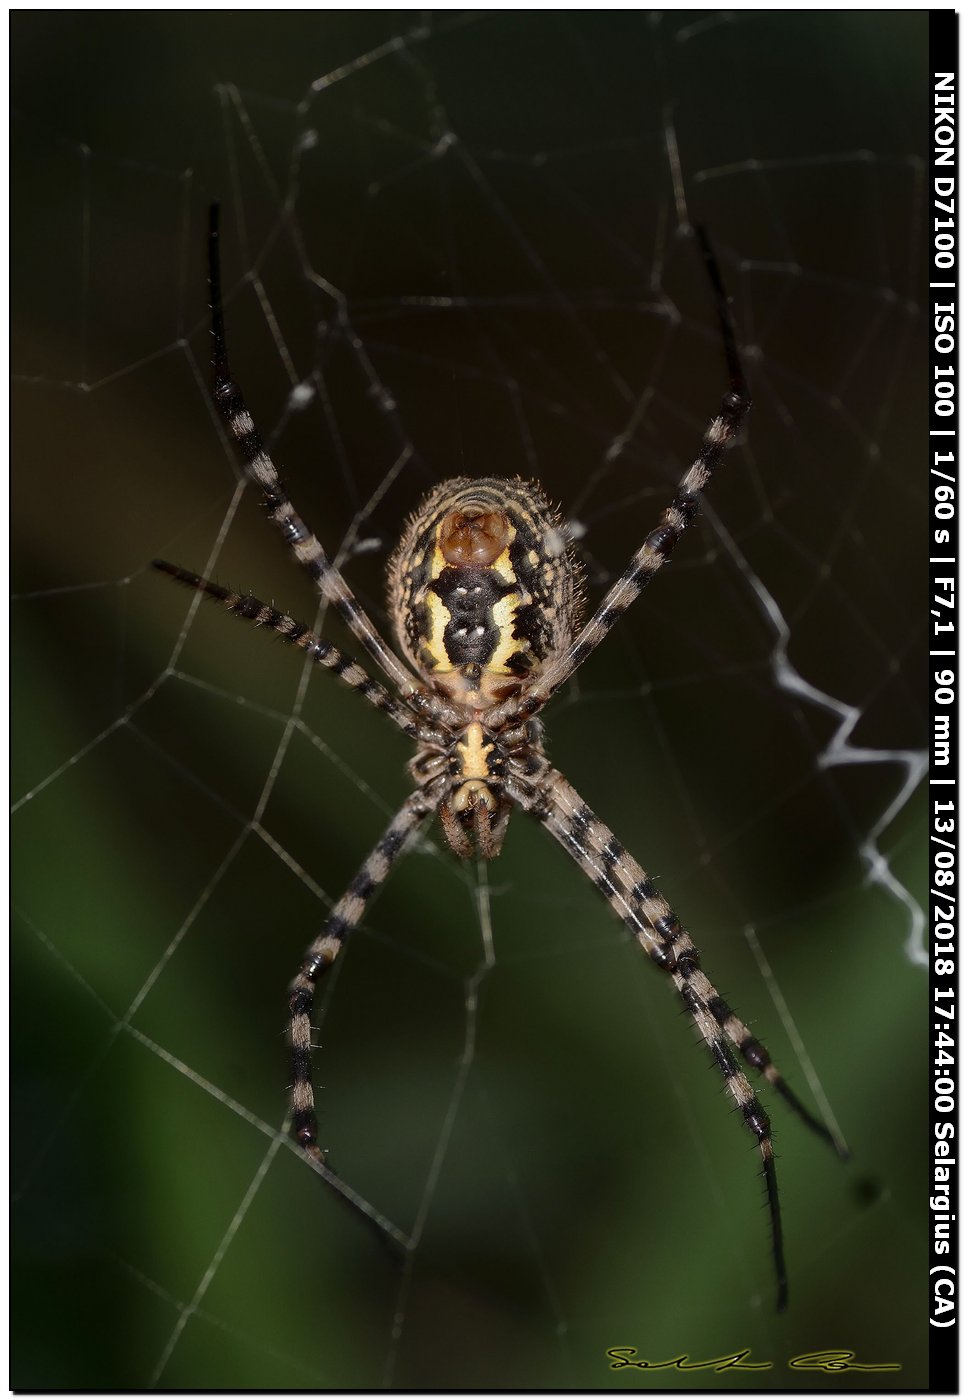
{"x": 180, "y": 575}
{"x": 175, "y": 572}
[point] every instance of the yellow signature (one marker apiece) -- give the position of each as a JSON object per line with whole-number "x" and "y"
{"x": 831, "y": 1361}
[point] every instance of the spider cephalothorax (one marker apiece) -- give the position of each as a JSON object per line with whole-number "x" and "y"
{"x": 484, "y": 596}
{"x": 479, "y": 767}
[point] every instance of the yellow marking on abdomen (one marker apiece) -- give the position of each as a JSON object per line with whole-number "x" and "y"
{"x": 439, "y": 618}
{"x": 503, "y": 615}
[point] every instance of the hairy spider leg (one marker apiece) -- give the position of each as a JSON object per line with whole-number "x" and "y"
{"x": 323, "y": 951}
{"x": 659, "y": 544}
{"x": 638, "y": 903}
{"x": 299, "y": 634}
{"x": 302, "y": 542}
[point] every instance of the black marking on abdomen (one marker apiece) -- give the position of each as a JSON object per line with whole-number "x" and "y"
{"x": 470, "y": 595}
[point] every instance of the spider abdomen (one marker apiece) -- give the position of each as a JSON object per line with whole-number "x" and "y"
{"x": 483, "y": 588}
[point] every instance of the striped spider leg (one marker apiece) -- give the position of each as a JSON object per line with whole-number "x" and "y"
{"x": 484, "y": 594}
{"x": 347, "y": 913}
{"x": 321, "y": 953}
{"x": 658, "y": 546}
{"x": 298, "y": 634}
{"x": 303, "y": 543}
{"x": 638, "y": 903}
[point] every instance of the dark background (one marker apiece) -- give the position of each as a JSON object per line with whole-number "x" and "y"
{"x": 476, "y": 262}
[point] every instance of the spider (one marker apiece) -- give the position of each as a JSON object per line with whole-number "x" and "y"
{"x": 485, "y": 595}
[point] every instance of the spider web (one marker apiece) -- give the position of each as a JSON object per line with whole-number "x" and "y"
{"x": 459, "y": 244}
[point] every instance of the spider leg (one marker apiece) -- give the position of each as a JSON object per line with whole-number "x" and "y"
{"x": 638, "y": 903}
{"x": 659, "y": 544}
{"x": 322, "y": 952}
{"x": 633, "y": 881}
{"x": 301, "y": 541}
{"x": 251, "y": 609}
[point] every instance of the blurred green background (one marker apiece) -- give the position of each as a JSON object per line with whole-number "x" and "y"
{"x": 467, "y": 244}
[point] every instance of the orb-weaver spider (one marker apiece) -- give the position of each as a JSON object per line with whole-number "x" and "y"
{"x": 484, "y": 595}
